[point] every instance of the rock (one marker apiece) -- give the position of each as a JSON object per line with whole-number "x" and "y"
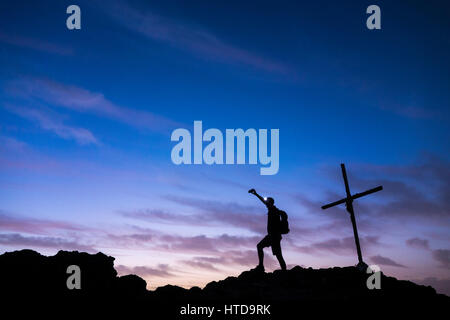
{"x": 28, "y": 276}
{"x": 131, "y": 286}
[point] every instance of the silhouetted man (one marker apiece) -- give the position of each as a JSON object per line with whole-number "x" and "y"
{"x": 273, "y": 237}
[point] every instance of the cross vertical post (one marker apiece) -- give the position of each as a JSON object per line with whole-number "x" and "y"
{"x": 348, "y": 200}
{"x": 349, "y": 205}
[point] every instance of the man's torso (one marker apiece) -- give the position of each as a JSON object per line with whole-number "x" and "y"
{"x": 273, "y": 221}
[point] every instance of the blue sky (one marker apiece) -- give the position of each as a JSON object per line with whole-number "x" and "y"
{"x": 86, "y": 118}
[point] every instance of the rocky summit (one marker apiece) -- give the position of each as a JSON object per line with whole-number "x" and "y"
{"x": 27, "y": 276}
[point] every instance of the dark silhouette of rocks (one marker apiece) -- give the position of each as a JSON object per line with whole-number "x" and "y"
{"x": 29, "y": 276}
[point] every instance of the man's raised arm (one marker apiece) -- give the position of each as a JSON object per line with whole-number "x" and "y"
{"x": 253, "y": 191}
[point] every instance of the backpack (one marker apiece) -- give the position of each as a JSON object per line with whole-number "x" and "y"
{"x": 284, "y": 224}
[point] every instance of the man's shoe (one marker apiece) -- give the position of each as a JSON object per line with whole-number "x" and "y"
{"x": 259, "y": 268}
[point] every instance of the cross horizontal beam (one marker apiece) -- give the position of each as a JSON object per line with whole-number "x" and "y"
{"x": 353, "y": 197}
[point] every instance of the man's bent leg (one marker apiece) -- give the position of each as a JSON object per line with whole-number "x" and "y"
{"x": 265, "y": 242}
{"x": 260, "y": 254}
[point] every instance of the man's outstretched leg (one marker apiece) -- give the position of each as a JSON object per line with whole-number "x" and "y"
{"x": 281, "y": 261}
{"x": 276, "y": 250}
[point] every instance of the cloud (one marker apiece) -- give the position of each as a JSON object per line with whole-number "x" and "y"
{"x": 197, "y": 41}
{"x": 338, "y": 245}
{"x": 251, "y": 218}
{"x": 82, "y": 100}
{"x": 410, "y": 192}
{"x": 200, "y": 265}
{"x": 161, "y": 216}
{"x": 154, "y": 239}
{"x": 12, "y": 144}
{"x": 195, "y": 243}
{"x": 443, "y": 257}
{"x": 410, "y": 111}
{"x": 202, "y": 243}
{"x": 418, "y": 243}
{"x": 441, "y": 285}
{"x": 210, "y": 213}
{"x": 384, "y": 261}
{"x": 35, "y": 44}
{"x": 139, "y": 240}
{"x": 35, "y": 226}
{"x": 216, "y": 252}
{"x": 18, "y": 240}
{"x": 233, "y": 258}
{"x": 249, "y": 258}
{"x": 161, "y": 270}
{"x": 49, "y": 122}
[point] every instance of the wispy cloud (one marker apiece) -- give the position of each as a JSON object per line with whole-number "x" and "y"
{"x": 196, "y": 40}
{"x": 338, "y": 245}
{"x": 35, "y": 44}
{"x": 419, "y": 190}
{"x": 418, "y": 243}
{"x": 230, "y": 258}
{"x": 384, "y": 261}
{"x": 35, "y": 226}
{"x": 78, "y": 99}
{"x": 12, "y": 144}
{"x": 411, "y": 111}
{"x": 161, "y": 270}
{"x": 19, "y": 240}
{"x": 209, "y": 213}
{"x": 49, "y": 122}
{"x": 202, "y": 243}
{"x": 200, "y": 265}
{"x": 251, "y": 218}
{"x": 443, "y": 257}
{"x": 441, "y": 285}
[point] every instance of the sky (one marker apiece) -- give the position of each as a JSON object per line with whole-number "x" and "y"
{"x": 86, "y": 118}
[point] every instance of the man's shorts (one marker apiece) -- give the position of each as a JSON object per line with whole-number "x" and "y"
{"x": 273, "y": 241}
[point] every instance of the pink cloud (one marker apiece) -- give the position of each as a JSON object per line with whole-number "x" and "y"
{"x": 35, "y": 226}
{"x": 418, "y": 243}
{"x": 384, "y": 261}
{"x": 217, "y": 213}
{"x": 18, "y": 240}
{"x": 233, "y": 258}
{"x": 441, "y": 285}
{"x": 338, "y": 245}
{"x": 443, "y": 257}
{"x": 200, "y": 265}
{"x": 252, "y": 218}
{"x": 202, "y": 243}
{"x": 160, "y": 271}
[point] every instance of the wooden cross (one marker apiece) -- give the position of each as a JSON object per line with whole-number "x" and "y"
{"x": 348, "y": 200}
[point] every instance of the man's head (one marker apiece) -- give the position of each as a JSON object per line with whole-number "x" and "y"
{"x": 270, "y": 202}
